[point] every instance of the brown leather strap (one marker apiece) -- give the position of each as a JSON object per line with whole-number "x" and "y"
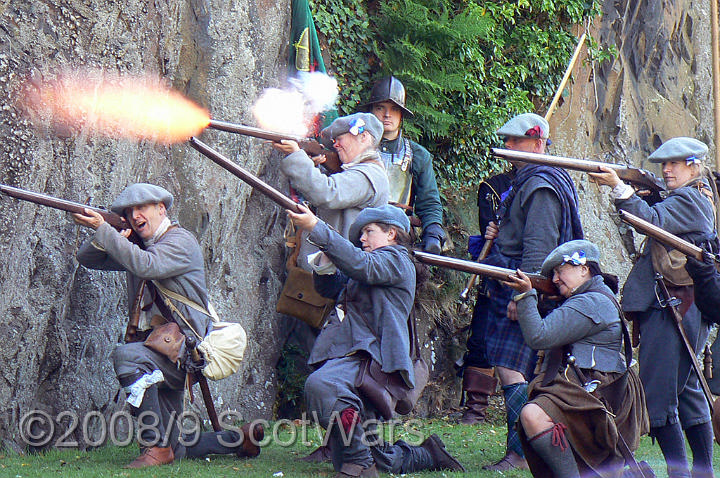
{"x": 554, "y": 360}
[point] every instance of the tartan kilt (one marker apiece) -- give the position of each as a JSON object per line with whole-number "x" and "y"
{"x": 591, "y": 431}
{"x": 504, "y": 341}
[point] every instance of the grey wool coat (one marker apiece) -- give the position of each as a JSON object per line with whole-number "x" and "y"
{"x": 687, "y": 213}
{"x": 532, "y": 228}
{"x": 587, "y": 319}
{"x": 339, "y": 197}
{"x": 377, "y": 291}
{"x": 174, "y": 260}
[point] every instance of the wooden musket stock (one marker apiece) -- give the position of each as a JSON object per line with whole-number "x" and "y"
{"x": 256, "y": 183}
{"x": 669, "y": 239}
{"x": 311, "y": 146}
{"x": 115, "y": 220}
{"x": 465, "y": 294}
{"x": 539, "y": 282}
{"x": 639, "y": 177}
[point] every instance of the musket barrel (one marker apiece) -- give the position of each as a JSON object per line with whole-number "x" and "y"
{"x": 311, "y": 146}
{"x": 661, "y": 235}
{"x": 641, "y": 178}
{"x": 558, "y": 161}
{"x": 494, "y": 272}
{"x": 539, "y": 282}
{"x": 251, "y": 131}
{"x": 115, "y": 220}
{"x": 245, "y": 175}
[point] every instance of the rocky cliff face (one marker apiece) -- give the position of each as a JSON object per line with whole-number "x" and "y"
{"x": 59, "y": 321}
{"x": 657, "y": 87}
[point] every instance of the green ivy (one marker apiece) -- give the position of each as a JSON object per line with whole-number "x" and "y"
{"x": 468, "y": 65}
{"x": 345, "y": 27}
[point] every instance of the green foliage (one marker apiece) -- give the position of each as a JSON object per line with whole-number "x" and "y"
{"x": 598, "y": 53}
{"x": 291, "y": 381}
{"x": 346, "y": 28}
{"x": 468, "y": 65}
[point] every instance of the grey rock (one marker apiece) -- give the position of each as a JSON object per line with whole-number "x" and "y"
{"x": 59, "y": 321}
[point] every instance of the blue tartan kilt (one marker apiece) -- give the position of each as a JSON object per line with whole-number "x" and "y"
{"x": 505, "y": 346}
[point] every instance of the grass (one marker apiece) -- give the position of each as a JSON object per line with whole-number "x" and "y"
{"x": 474, "y": 446}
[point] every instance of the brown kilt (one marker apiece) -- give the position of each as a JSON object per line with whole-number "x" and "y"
{"x": 591, "y": 431}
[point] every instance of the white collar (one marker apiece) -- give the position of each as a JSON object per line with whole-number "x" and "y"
{"x": 162, "y": 229}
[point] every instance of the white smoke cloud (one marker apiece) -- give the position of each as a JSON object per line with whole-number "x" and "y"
{"x": 292, "y": 110}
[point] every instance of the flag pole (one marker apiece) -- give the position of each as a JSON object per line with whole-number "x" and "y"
{"x": 715, "y": 76}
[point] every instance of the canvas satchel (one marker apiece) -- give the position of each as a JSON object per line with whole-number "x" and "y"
{"x": 298, "y": 297}
{"x": 223, "y": 348}
{"x": 671, "y": 264}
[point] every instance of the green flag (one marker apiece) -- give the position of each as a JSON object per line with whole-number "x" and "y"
{"x": 305, "y": 48}
{"x": 305, "y": 52}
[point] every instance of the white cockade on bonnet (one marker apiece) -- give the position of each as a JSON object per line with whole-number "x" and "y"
{"x": 357, "y": 126}
{"x": 577, "y": 258}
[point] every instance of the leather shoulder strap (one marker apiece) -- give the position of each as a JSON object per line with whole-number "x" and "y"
{"x": 626, "y": 334}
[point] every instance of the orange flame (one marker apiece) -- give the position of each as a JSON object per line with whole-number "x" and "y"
{"x": 133, "y": 107}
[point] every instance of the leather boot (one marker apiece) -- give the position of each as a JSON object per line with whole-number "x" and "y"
{"x": 442, "y": 460}
{"x": 253, "y": 433}
{"x": 153, "y": 456}
{"x": 478, "y": 385}
{"x": 321, "y": 454}
{"x": 510, "y": 461}
{"x": 351, "y": 470}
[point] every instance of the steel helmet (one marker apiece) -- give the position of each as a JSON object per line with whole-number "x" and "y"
{"x": 388, "y": 89}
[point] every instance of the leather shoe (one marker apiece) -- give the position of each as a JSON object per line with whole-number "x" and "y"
{"x": 252, "y": 433}
{"x": 442, "y": 460}
{"x": 321, "y": 454}
{"x": 351, "y": 470}
{"x": 153, "y": 456}
{"x": 511, "y": 461}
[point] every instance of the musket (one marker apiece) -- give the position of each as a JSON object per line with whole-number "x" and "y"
{"x": 668, "y": 301}
{"x": 256, "y": 183}
{"x": 539, "y": 282}
{"x": 310, "y": 145}
{"x": 638, "y": 177}
{"x": 465, "y": 294}
{"x": 661, "y": 235}
{"x": 191, "y": 343}
{"x": 115, "y": 220}
{"x": 195, "y": 371}
{"x": 131, "y": 331}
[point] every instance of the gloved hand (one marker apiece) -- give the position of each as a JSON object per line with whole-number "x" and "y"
{"x": 699, "y": 269}
{"x": 704, "y": 270}
{"x": 433, "y": 238}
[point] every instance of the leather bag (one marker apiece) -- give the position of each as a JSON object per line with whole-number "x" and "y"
{"x": 388, "y": 392}
{"x": 223, "y": 348}
{"x": 167, "y": 339}
{"x": 298, "y": 297}
{"x": 671, "y": 264}
{"x": 422, "y": 372}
